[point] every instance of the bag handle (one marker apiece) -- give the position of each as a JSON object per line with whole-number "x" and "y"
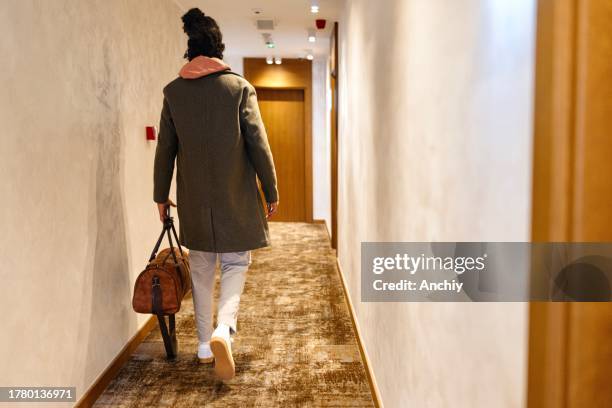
{"x": 156, "y": 248}
{"x": 168, "y": 226}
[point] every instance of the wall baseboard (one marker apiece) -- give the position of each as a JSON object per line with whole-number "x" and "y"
{"x": 364, "y": 356}
{"x": 319, "y": 221}
{"x": 96, "y": 389}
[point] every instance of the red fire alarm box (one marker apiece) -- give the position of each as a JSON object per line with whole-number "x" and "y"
{"x": 151, "y": 133}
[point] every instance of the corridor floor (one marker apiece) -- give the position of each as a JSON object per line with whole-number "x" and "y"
{"x": 295, "y": 345}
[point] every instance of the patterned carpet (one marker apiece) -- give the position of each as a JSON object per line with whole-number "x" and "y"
{"x": 295, "y": 345}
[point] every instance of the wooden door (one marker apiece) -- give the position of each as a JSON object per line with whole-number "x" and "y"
{"x": 282, "y": 111}
{"x": 570, "y": 356}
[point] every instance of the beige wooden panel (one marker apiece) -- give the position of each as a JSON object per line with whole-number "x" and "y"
{"x": 282, "y": 111}
{"x": 570, "y": 348}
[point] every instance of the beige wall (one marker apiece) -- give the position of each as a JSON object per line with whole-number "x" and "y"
{"x": 235, "y": 62}
{"x": 321, "y": 142}
{"x": 435, "y": 145}
{"x": 80, "y": 81}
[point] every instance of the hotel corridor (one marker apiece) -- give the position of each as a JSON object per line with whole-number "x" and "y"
{"x": 295, "y": 344}
{"x": 435, "y": 175}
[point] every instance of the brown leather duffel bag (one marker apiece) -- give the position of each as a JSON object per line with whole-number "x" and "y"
{"x": 173, "y": 282}
{"x": 163, "y": 284}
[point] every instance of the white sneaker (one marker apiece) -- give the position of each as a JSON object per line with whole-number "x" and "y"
{"x": 205, "y": 355}
{"x": 221, "y": 346}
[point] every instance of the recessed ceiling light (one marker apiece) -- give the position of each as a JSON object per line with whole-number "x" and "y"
{"x": 314, "y": 6}
{"x": 311, "y": 35}
{"x": 278, "y": 60}
{"x": 269, "y": 60}
{"x": 309, "y": 57}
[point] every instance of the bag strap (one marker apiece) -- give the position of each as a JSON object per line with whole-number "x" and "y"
{"x": 168, "y": 226}
{"x": 156, "y": 296}
{"x": 156, "y": 248}
{"x": 177, "y": 240}
{"x": 171, "y": 247}
{"x": 176, "y": 264}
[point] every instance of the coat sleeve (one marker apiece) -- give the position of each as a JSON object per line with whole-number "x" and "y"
{"x": 165, "y": 155}
{"x": 257, "y": 145}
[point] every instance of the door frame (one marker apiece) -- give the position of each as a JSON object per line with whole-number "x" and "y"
{"x": 292, "y": 74}
{"x": 334, "y": 146}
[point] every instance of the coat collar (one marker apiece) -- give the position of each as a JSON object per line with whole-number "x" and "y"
{"x": 201, "y": 66}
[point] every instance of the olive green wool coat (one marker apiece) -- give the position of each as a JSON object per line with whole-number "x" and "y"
{"x": 213, "y": 127}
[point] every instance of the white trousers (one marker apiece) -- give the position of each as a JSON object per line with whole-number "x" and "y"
{"x": 234, "y": 266}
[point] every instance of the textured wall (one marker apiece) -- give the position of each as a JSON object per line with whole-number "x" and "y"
{"x": 235, "y": 62}
{"x": 435, "y": 145}
{"x": 80, "y": 80}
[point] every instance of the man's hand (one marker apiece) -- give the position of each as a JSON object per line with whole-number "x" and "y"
{"x": 272, "y": 207}
{"x": 161, "y": 207}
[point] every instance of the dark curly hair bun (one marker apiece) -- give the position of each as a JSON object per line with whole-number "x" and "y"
{"x": 204, "y": 35}
{"x": 192, "y": 21}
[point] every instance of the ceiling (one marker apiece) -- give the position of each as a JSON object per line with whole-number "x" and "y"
{"x": 236, "y": 18}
